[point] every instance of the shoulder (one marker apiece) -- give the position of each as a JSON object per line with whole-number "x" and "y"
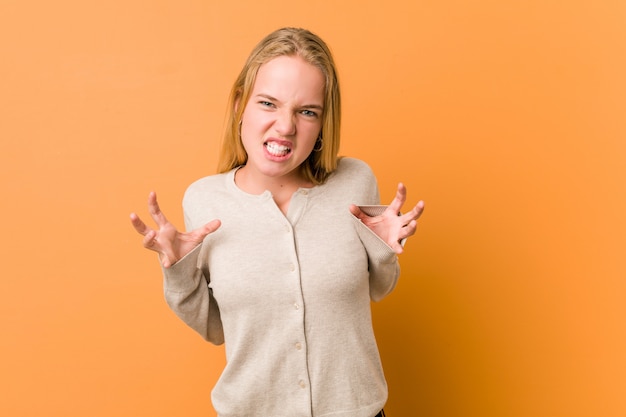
{"x": 208, "y": 182}
{"x": 354, "y": 180}
{"x": 203, "y": 199}
{"x": 347, "y": 162}
{"x": 205, "y": 189}
{"x": 205, "y": 184}
{"x": 354, "y": 169}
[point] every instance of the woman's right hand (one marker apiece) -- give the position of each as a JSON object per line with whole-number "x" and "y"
{"x": 169, "y": 243}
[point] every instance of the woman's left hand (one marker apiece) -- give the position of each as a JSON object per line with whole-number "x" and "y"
{"x": 392, "y": 226}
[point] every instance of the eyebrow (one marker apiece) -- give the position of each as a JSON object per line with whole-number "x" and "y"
{"x": 306, "y": 106}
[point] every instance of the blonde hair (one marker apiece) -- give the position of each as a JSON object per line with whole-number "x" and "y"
{"x": 287, "y": 42}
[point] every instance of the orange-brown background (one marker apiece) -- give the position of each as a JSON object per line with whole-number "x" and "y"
{"x": 507, "y": 117}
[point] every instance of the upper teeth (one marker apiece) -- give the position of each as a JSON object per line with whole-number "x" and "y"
{"x": 277, "y": 149}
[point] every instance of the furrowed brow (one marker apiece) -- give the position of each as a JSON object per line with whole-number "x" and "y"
{"x": 267, "y": 96}
{"x": 313, "y": 106}
{"x": 306, "y": 106}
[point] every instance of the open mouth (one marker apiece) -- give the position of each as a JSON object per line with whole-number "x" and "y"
{"x": 276, "y": 149}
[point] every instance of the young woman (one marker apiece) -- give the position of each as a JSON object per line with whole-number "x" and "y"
{"x": 286, "y": 245}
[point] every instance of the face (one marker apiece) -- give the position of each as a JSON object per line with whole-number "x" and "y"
{"x": 283, "y": 118}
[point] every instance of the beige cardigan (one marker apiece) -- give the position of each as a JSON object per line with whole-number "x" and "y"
{"x": 289, "y": 296}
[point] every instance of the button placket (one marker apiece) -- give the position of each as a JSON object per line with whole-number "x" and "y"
{"x": 298, "y": 344}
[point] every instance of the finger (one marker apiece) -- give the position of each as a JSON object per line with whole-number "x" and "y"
{"x": 165, "y": 261}
{"x": 397, "y": 247}
{"x": 408, "y": 230}
{"x": 198, "y": 235}
{"x": 419, "y": 208}
{"x": 210, "y": 227}
{"x": 399, "y": 199}
{"x": 155, "y": 210}
{"x": 138, "y": 224}
{"x": 167, "y": 258}
{"x": 150, "y": 240}
{"x": 414, "y": 214}
{"x": 356, "y": 211}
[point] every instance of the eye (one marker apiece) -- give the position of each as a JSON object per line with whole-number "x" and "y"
{"x": 265, "y": 103}
{"x": 309, "y": 113}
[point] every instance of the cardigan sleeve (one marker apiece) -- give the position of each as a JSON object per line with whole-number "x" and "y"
{"x": 383, "y": 265}
{"x": 384, "y": 268}
{"x": 188, "y": 294}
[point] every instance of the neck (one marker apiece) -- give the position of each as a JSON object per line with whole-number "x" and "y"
{"x": 256, "y": 183}
{"x": 282, "y": 188}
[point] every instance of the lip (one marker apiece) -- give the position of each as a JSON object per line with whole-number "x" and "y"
{"x": 280, "y": 142}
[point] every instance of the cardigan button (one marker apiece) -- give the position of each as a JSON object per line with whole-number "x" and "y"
{"x": 299, "y": 346}
{"x": 302, "y": 384}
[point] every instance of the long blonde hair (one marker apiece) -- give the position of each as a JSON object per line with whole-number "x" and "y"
{"x": 287, "y": 42}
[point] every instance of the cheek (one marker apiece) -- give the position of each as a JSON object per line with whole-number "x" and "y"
{"x": 311, "y": 131}
{"x": 254, "y": 121}
{"x": 248, "y": 127}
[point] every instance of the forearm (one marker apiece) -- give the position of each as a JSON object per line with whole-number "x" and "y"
{"x": 188, "y": 295}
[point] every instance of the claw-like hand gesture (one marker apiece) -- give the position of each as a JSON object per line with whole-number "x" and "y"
{"x": 169, "y": 243}
{"x": 391, "y": 226}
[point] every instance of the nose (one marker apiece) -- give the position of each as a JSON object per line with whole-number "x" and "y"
{"x": 285, "y": 124}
